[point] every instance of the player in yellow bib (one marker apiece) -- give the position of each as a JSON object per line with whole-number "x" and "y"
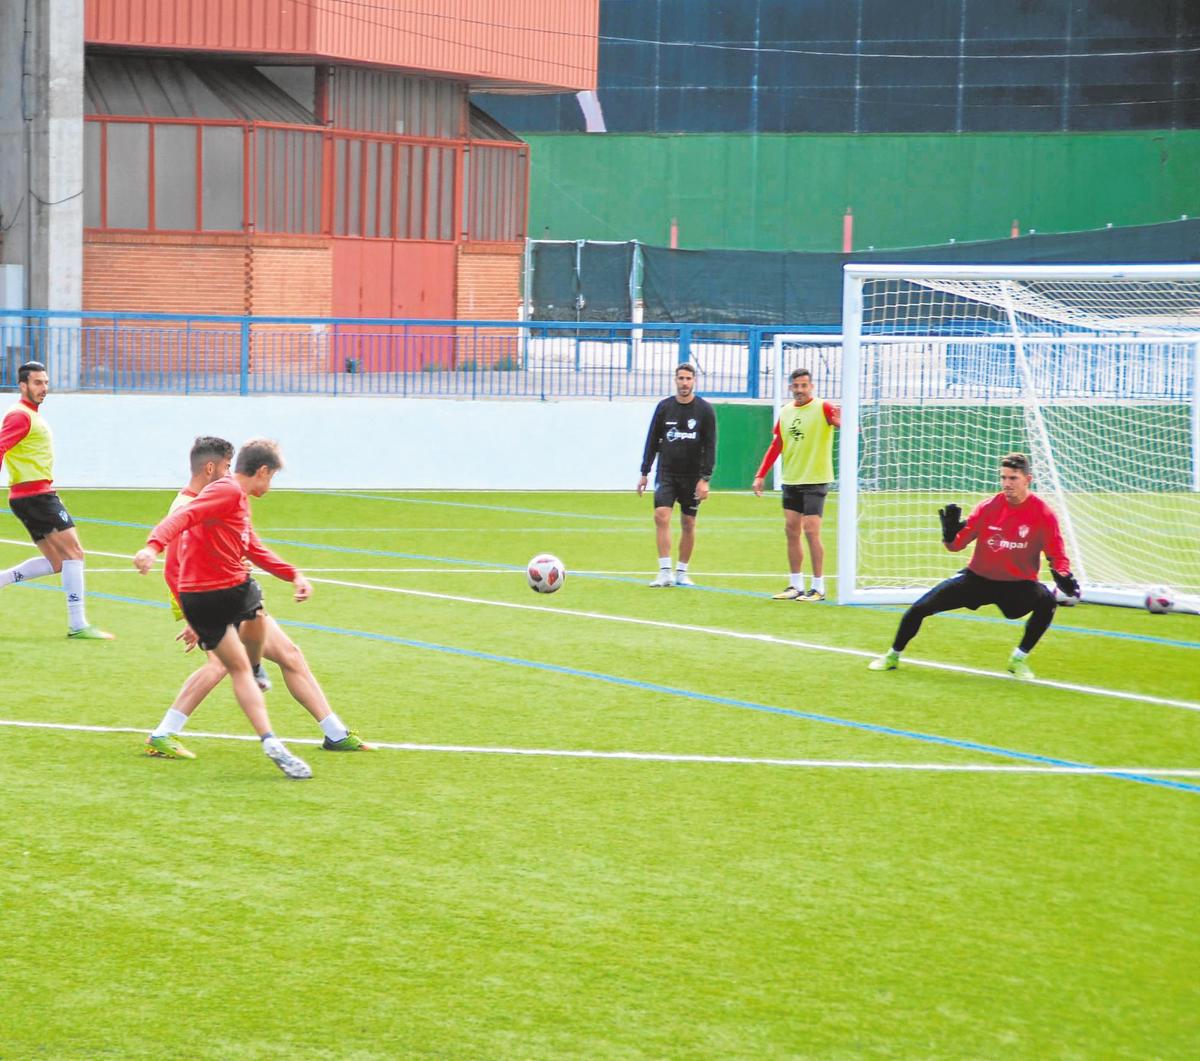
{"x": 804, "y": 435}
{"x": 27, "y": 451}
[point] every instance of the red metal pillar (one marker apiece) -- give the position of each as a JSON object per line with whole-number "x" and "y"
{"x": 848, "y": 231}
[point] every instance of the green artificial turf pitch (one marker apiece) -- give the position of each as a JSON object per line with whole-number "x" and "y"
{"x": 715, "y": 892}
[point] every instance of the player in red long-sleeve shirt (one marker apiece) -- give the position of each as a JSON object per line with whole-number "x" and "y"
{"x": 214, "y": 589}
{"x": 210, "y": 459}
{"x": 1011, "y": 531}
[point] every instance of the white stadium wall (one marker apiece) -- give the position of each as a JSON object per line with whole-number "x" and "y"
{"x": 355, "y": 443}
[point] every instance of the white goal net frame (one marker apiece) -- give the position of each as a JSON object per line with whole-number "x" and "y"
{"x": 1094, "y": 371}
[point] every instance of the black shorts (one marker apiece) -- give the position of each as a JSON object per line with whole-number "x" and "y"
{"x": 42, "y": 514}
{"x": 212, "y": 612}
{"x": 677, "y": 488}
{"x": 808, "y": 498}
{"x": 969, "y": 590}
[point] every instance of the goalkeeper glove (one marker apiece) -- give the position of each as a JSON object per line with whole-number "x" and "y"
{"x": 1068, "y": 583}
{"x": 951, "y": 517}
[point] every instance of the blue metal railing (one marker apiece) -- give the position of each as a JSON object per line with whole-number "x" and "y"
{"x": 123, "y": 352}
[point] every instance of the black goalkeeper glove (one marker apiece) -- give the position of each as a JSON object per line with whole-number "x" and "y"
{"x": 1068, "y": 583}
{"x": 952, "y": 523}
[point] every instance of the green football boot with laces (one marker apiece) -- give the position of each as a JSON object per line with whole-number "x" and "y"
{"x": 351, "y": 742}
{"x": 167, "y": 747}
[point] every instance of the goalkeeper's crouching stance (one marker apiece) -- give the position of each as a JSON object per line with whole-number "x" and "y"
{"x": 1011, "y": 531}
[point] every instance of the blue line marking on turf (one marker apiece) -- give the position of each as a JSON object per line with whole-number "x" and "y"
{"x": 1117, "y": 635}
{"x": 707, "y": 698}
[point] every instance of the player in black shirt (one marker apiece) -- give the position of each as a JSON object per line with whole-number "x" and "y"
{"x": 683, "y": 436}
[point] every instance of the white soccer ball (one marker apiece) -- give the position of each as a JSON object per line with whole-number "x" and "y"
{"x": 1160, "y": 599}
{"x": 545, "y": 573}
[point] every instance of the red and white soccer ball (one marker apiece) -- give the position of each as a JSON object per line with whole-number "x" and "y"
{"x": 1160, "y": 599}
{"x": 546, "y": 573}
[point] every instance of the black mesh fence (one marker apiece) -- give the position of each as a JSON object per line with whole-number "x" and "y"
{"x": 592, "y": 282}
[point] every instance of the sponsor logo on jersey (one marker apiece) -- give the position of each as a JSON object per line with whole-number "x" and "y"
{"x": 680, "y": 436}
{"x": 795, "y": 430}
{"x": 998, "y": 544}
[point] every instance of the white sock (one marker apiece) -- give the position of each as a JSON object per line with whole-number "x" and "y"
{"x": 35, "y": 567}
{"x": 664, "y": 563}
{"x": 681, "y": 566}
{"x": 819, "y": 583}
{"x": 796, "y": 581}
{"x": 273, "y": 746}
{"x": 72, "y": 580}
{"x": 1018, "y": 654}
{"x": 172, "y": 722}
{"x": 332, "y": 727}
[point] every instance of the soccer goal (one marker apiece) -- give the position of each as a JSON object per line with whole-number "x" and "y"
{"x": 1094, "y": 371}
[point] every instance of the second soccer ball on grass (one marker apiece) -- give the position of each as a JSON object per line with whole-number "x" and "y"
{"x": 545, "y": 573}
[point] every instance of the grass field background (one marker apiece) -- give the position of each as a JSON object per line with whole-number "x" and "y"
{"x": 473, "y": 890}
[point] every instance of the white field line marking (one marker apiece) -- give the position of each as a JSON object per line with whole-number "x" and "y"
{"x": 506, "y": 572}
{"x": 656, "y": 757}
{"x": 770, "y": 639}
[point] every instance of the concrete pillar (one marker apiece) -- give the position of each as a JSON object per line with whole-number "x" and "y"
{"x": 41, "y": 161}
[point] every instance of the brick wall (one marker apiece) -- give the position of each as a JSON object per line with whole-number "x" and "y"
{"x": 264, "y": 276}
{"x": 489, "y": 288}
{"x": 489, "y": 281}
{"x": 207, "y": 274}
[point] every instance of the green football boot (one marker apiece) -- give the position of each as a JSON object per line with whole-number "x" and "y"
{"x": 1018, "y": 668}
{"x": 90, "y": 633}
{"x": 167, "y": 747}
{"x": 888, "y": 661}
{"x": 351, "y": 742}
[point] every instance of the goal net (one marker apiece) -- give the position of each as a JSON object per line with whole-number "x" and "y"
{"x": 1093, "y": 371}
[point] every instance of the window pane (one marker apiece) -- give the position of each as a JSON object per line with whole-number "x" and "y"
{"x": 446, "y": 212}
{"x": 371, "y": 164}
{"x": 340, "y": 151}
{"x": 223, "y": 170}
{"x": 175, "y": 177}
{"x": 416, "y": 194}
{"x": 128, "y": 175}
{"x": 91, "y": 174}
{"x": 403, "y": 190}
{"x": 433, "y": 195}
{"x": 385, "y": 190}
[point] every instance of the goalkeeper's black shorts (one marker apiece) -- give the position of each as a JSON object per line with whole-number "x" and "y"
{"x": 969, "y": 590}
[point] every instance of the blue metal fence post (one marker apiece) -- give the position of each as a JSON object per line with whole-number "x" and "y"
{"x": 245, "y": 368}
{"x": 753, "y": 361}
{"x": 685, "y": 343}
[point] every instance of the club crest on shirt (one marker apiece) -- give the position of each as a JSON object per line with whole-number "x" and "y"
{"x": 691, "y": 425}
{"x": 1023, "y": 531}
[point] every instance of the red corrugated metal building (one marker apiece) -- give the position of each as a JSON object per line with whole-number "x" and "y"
{"x": 315, "y": 156}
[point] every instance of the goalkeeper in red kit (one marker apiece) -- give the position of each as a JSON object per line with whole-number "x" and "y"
{"x": 1011, "y": 531}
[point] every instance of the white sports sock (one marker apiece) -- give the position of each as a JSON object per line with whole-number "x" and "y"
{"x": 819, "y": 583}
{"x": 664, "y": 563}
{"x": 681, "y": 566}
{"x": 1018, "y": 654}
{"x": 34, "y": 567}
{"x": 333, "y": 727}
{"x": 172, "y": 722}
{"x": 72, "y": 580}
{"x": 796, "y": 581}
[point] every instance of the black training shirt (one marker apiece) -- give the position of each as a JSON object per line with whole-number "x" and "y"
{"x": 684, "y": 437}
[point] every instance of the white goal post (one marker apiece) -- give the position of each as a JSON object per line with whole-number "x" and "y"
{"x": 1094, "y": 371}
